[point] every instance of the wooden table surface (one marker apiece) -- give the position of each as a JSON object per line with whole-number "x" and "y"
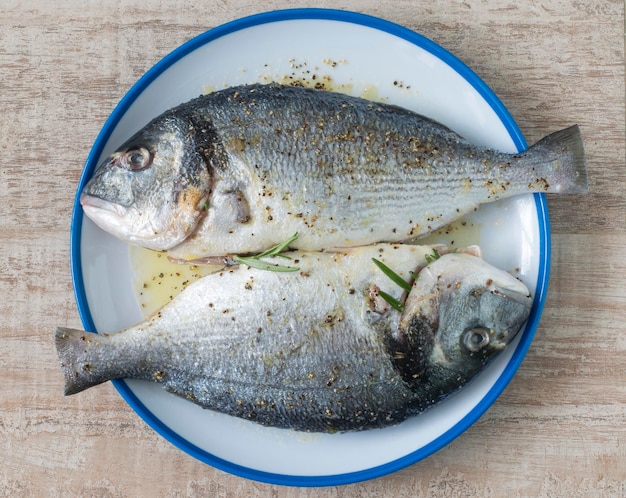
{"x": 559, "y": 429}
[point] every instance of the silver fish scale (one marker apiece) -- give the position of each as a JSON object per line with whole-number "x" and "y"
{"x": 312, "y": 350}
{"x": 312, "y": 158}
{"x": 287, "y": 137}
{"x": 322, "y": 368}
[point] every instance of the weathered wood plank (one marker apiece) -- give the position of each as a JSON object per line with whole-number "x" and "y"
{"x": 559, "y": 429}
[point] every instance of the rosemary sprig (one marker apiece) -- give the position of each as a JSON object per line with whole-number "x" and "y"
{"x": 277, "y": 249}
{"x": 392, "y": 301}
{"x": 256, "y": 262}
{"x": 253, "y": 262}
{"x": 397, "y": 279}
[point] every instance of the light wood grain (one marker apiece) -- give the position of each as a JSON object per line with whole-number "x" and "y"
{"x": 559, "y": 429}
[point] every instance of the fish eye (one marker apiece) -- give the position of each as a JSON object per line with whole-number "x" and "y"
{"x": 475, "y": 339}
{"x": 136, "y": 159}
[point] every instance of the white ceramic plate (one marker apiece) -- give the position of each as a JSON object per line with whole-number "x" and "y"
{"x": 364, "y": 56}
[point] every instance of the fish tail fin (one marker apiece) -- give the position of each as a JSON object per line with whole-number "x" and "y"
{"x": 559, "y": 160}
{"x": 75, "y": 351}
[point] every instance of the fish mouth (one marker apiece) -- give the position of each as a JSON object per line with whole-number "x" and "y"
{"x": 109, "y": 216}
{"x": 125, "y": 224}
{"x": 93, "y": 205}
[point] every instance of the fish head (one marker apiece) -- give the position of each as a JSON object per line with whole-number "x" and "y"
{"x": 466, "y": 311}
{"x": 152, "y": 191}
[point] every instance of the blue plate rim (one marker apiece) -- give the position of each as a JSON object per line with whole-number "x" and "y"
{"x": 485, "y": 92}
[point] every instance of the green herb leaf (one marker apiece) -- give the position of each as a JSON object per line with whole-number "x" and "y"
{"x": 278, "y": 248}
{"x": 393, "y": 302}
{"x": 255, "y": 261}
{"x": 432, "y": 257}
{"x": 397, "y": 279}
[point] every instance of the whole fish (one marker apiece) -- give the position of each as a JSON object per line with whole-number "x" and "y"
{"x": 239, "y": 170}
{"x": 316, "y": 350}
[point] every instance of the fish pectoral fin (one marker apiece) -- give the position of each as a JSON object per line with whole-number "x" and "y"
{"x": 345, "y": 249}
{"x": 219, "y": 262}
{"x": 238, "y": 204}
{"x": 340, "y": 250}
